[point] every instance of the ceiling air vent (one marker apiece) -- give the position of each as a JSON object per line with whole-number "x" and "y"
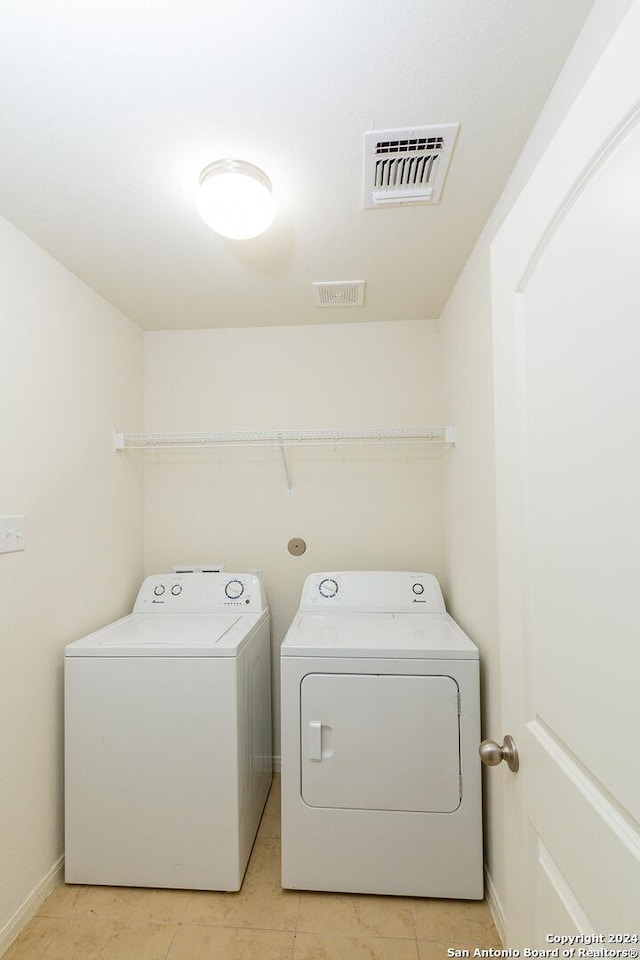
{"x": 339, "y": 293}
{"x": 407, "y": 166}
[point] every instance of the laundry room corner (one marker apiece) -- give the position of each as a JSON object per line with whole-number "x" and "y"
{"x": 73, "y": 370}
{"x": 318, "y": 499}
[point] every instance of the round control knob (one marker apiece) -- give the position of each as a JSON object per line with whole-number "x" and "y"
{"x": 328, "y": 587}
{"x": 158, "y": 589}
{"x": 176, "y": 589}
{"x": 234, "y": 589}
{"x": 418, "y": 589}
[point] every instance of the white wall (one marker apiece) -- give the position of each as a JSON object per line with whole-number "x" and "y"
{"x": 362, "y": 508}
{"x": 470, "y": 576}
{"x": 471, "y": 572}
{"x": 71, "y": 373}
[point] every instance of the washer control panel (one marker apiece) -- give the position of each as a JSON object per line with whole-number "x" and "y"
{"x": 201, "y": 592}
{"x": 378, "y": 591}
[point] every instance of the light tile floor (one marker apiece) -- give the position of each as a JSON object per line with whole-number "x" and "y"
{"x": 260, "y": 922}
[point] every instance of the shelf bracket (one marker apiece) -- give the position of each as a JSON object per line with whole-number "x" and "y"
{"x": 285, "y": 464}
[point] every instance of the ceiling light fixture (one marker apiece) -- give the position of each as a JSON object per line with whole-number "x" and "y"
{"x": 235, "y": 199}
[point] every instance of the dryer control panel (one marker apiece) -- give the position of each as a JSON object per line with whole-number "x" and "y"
{"x": 376, "y": 591}
{"x": 200, "y": 591}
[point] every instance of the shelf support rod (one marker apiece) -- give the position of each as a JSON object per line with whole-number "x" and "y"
{"x": 285, "y": 464}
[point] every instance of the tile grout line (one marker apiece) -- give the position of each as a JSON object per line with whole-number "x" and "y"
{"x": 415, "y": 928}
{"x": 112, "y": 919}
{"x": 298, "y": 907}
{"x": 170, "y": 947}
{"x": 359, "y": 935}
{"x": 179, "y": 924}
{"x": 235, "y": 926}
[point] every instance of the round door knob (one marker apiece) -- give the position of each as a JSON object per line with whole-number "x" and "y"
{"x": 492, "y": 753}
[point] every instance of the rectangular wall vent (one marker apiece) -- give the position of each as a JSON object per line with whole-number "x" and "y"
{"x": 407, "y": 166}
{"x": 338, "y": 293}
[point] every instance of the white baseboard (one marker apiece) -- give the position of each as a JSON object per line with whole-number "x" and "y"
{"x": 495, "y": 906}
{"x": 29, "y": 907}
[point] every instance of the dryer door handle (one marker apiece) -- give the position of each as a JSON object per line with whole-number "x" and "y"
{"x": 314, "y": 740}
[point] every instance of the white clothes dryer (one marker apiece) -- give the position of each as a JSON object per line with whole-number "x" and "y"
{"x": 168, "y": 736}
{"x": 381, "y": 782}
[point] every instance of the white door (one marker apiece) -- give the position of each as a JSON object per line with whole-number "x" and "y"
{"x": 566, "y": 286}
{"x": 372, "y": 742}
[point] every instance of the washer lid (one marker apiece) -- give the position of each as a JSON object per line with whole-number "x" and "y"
{"x": 434, "y": 636}
{"x": 168, "y": 635}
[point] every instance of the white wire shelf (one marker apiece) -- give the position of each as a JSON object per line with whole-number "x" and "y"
{"x": 240, "y": 438}
{"x": 283, "y": 439}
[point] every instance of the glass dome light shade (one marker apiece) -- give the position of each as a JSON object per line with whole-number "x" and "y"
{"x": 235, "y": 199}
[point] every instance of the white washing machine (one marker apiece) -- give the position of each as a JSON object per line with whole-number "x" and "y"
{"x": 381, "y": 784}
{"x": 168, "y": 736}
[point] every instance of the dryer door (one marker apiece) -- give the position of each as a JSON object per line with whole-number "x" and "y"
{"x": 377, "y": 742}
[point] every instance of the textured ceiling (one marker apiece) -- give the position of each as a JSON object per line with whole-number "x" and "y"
{"x": 110, "y": 110}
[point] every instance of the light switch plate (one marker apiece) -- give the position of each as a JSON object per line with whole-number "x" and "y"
{"x": 12, "y": 534}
